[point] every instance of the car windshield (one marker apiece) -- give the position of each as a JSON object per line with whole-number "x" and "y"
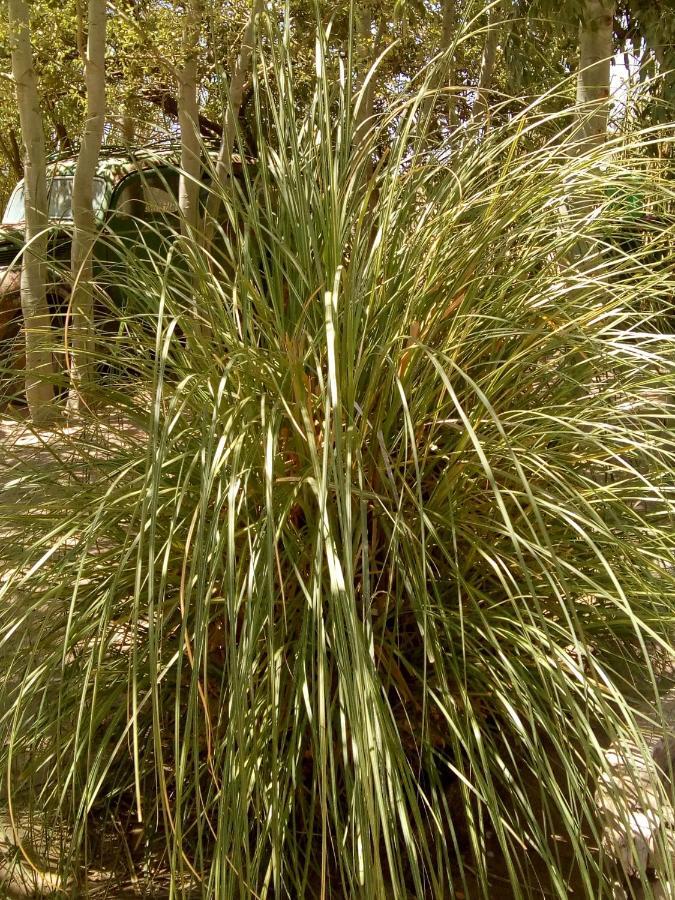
{"x": 60, "y": 200}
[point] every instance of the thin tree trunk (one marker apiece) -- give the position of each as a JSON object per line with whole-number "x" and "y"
{"x": 488, "y": 59}
{"x": 595, "y": 52}
{"x": 591, "y": 115}
{"x": 363, "y": 118}
{"x": 366, "y": 51}
{"x": 188, "y": 117}
{"x": 37, "y": 326}
{"x": 84, "y": 219}
{"x": 447, "y": 34}
{"x": 235, "y": 97}
{"x": 443, "y": 76}
{"x": 190, "y": 144}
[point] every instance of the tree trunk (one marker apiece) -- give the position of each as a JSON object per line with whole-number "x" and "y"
{"x": 39, "y": 370}
{"x": 363, "y": 117}
{"x": 84, "y": 219}
{"x": 443, "y": 76}
{"x": 447, "y": 34}
{"x": 488, "y": 59}
{"x": 235, "y": 97}
{"x": 188, "y": 117}
{"x": 595, "y": 52}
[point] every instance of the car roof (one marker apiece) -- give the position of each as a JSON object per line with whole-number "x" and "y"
{"x": 115, "y": 163}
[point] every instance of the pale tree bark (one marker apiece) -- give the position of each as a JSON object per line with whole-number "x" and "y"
{"x": 363, "y": 118}
{"x": 37, "y": 325}
{"x": 591, "y": 116}
{"x": 223, "y": 169}
{"x": 367, "y": 46}
{"x": 595, "y": 52}
{"x": 188, "y": 118}
{"x": 84, "y": 218}
{"x": 447, "y": 34}
{"x": 443, "y": 75}
{"x": 488, "y": 58}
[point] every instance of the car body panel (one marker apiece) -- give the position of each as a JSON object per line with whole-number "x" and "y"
{"x": 114, "y": 169}
{"x": 151, "y": 168}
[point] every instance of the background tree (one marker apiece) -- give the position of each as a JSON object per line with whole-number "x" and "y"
{"x": 84, "y": 214}
{"x": 495, "y": 14}
{"x": 232, "y": 103}
{"x": 36, "y": 319}
{"x": 595, "y": 54}
{"x": 188, "y": 116}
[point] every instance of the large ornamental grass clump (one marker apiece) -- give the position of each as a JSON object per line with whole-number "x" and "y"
{"x": 380, "y": 553}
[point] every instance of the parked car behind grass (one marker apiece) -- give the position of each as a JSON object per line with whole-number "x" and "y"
{"x": 137, "y": 211}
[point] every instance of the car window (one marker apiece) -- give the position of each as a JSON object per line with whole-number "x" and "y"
{"x": 60, "y": 190}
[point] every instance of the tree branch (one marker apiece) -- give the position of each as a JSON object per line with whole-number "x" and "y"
{"x": 165, "y": 100}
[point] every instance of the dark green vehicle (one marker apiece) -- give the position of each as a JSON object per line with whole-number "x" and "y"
{"x": 136, "y": 203}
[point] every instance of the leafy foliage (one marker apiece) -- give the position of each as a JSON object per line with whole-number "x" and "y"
{"x": 538, "y": 48}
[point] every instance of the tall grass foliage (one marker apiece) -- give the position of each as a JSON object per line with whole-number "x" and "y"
{"x": 369, "y": 549}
